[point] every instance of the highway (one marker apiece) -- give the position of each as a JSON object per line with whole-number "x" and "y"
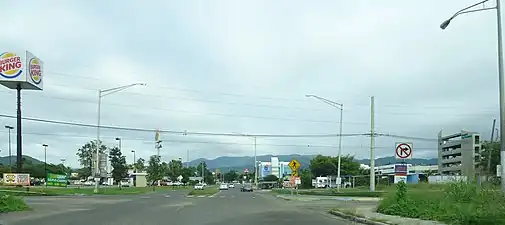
{"x": 172, "y": 207}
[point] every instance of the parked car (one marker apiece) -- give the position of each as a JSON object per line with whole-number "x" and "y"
{"x": 246, "y": 188}
{"x": 198, "y": 187}
{"x": 223, "y": 186}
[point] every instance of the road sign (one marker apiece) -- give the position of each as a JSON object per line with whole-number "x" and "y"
{"x": 298, "y": 180}
{"x": 403, "y": 150}
{"x": 294, "y": 173}
{"x": 246, "y": 170}
{"x": 294, "y": 165}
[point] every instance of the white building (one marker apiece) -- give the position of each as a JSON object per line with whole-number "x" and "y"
{"x": 274, "y": 167}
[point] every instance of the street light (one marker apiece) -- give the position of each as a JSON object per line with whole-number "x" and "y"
{"x": 134, "y": 161}
{"x": 45, "y": 160}
{"x": 500, "y": 73}
{"x": 103, "y": 93}
{"x": 10, "y": 153}
{"x": 339, "y": 106}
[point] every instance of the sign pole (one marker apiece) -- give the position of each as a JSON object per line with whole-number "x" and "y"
{"x": 19, "y": 146}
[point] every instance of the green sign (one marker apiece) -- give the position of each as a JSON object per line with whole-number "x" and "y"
{"x": 57, "y": 180}
{"x": 465, "y": 136}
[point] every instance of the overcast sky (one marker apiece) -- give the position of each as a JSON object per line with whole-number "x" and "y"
{"x": 245, "y": 67}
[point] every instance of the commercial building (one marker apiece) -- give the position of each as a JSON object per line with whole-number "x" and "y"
{"x": 274, "y": 167}
{"x": 459, "y": 154}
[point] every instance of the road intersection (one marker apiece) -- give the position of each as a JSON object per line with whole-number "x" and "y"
{"x": 173, "y": 207}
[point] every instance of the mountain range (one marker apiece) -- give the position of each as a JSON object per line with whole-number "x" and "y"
{"x": 239, "y": 163}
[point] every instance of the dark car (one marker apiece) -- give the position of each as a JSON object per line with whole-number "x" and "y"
{"x": 246, "y": 188}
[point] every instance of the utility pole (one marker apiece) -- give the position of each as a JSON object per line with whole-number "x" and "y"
{"x": 45, "y": 161}
{"x": 255, "y": 165}
{"x": 187, "y": 160}
{"x": 10, "y": 147}
{"x": 372, "y": 144}
{"x": 489, "y": 155}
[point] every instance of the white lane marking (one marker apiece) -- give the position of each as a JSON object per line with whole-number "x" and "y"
{"x": 167, "y": 196}
{"x": 215, "y": 194}
{"x": 222, "y": 196}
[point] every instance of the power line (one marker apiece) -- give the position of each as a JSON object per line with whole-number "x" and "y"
{"x": 147, "y": 141}
{"x": 182, "y": 132}
{"x": 445, "y": 106}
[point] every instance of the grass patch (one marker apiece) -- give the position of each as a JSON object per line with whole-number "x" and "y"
{"x": 206, "y": 191}
{"x": 456, "y": 203}
{"x": 9, "y": 203}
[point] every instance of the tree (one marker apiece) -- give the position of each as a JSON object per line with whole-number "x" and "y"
{"x": 232, "y": 175}
{"x": 140, "y": 165}
{"x": 174, "y": 169}
{"x": 491, "y": 149}
{"x": 209, "y": 179}
{"x": 270, "y": 178}
{"x": 85, "y": 153}
{"x": 118, "y": 163}
{"x": 154, "y": 172}
{"x": 327, "y": 165}
{"x": 306, "y": 178}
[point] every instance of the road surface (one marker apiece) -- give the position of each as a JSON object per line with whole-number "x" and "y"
{"x": 175, "y": 207}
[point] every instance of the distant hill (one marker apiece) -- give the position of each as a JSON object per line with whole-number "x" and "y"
{"x": 239, "y": 163}
{"x": 4, "y": 160}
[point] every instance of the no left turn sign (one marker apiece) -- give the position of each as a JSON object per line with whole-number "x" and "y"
{"x": 403, "y": 150}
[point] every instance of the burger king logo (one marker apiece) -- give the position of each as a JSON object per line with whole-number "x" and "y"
{"x": 35, "y": 70}
{"x": 10, "y": 65}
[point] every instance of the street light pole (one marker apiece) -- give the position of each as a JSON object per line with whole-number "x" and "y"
{"x": 339, "y": 106}
{"x": 103, "y": 93}
{"x": 10, "y": 146}
{"x": 134, "y": 161}
{"x": 45, "y": 161}
{"x": 255, "y": 165}
{"x": 500, "y": 73}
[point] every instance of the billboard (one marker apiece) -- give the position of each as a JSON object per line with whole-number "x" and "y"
{"x": 266, "y": 170}
{"x": 401, "y": 170}
{"x": 57, "y": 180}
{"x": 22, "y": 68}
{"x": 16, "y": 179}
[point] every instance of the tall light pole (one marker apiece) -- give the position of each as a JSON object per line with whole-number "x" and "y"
{"x": 134, "y": 161}
{"x": 10, "y": 147}
{"x": 339, "y": 106}
{"x": 45, "y": 160}
{"x": 103, "y": 93}
{"x": 119, "y": 143}
{"x": 500, "y": 72}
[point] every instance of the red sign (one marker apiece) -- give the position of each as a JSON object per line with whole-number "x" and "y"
{"x": 246, "y": 170}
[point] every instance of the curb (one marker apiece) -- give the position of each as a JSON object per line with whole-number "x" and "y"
{"x": 355, "y": 218}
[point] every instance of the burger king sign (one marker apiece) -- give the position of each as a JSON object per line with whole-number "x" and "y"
{"x": 21, "y": 69}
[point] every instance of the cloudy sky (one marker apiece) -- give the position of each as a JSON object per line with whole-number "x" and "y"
{"x": 245, "y": 67}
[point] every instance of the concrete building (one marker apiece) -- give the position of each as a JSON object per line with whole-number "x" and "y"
{"x": 459, "y": 154}
{"x": 274, "y": 167}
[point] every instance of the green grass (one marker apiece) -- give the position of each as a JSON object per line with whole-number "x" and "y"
{"x": 72, "y": 191}
{"x": 456, "y": 203}
{"x": 9, "y": 203}
{"x": 206, "y": 191}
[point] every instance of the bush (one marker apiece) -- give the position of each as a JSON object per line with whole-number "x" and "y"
{"x": 9, "y": 203}
{"x": 457, "y": 203}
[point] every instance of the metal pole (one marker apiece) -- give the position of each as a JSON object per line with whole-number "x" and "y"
{"x": 97, "y": 179}
{"x": 255, "y": 165}
{"x": 489, "y": 155}
{"x": 19, "y": 146}
{"x": 45, "y": 162}
{"x": 502, "y": 92}
{"x": 372, "y": 145}
{"x": 187, "y": 159}
{"x": 203, "y": 176}
{"x": 10, "y": 149}
{"x": 339, "y": 180}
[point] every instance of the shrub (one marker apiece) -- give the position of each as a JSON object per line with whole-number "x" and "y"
{"x": 9, "y": 203}
{"x": 457, "y": 203}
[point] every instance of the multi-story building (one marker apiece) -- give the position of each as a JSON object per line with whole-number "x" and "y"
{"x": 274, "y": 167}
{"x": 459, "y": 154}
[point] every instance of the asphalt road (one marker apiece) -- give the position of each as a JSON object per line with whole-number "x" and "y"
{"x": 175, "y": 207}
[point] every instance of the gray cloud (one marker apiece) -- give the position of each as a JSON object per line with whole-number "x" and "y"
{"x": 245, "y": 67}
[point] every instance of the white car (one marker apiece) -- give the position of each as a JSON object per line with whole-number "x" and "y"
{"x": 231, "y": 185}
{"x": 223, "y": 186}
{"x": 198, "y": 187}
